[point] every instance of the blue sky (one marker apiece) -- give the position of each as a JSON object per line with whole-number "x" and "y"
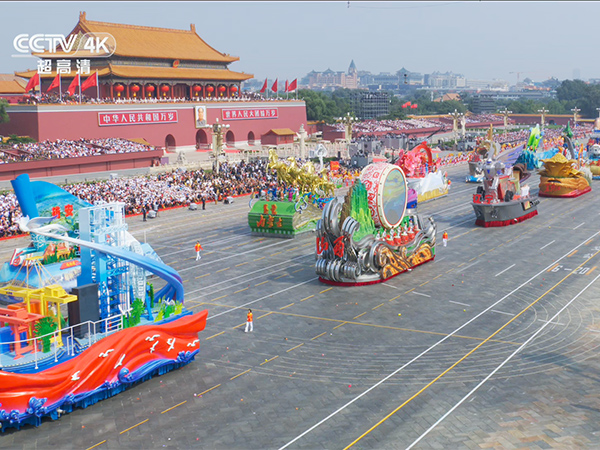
{"x": 480, "y": 39}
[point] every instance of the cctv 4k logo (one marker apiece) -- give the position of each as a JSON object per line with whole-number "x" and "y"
{"x": 98, "y": 45}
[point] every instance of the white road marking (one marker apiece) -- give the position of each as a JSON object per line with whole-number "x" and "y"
{"x": 424, "y": 295}
{"x": 460, "y": 223}
{"x": 210, "y": 263}
{"x": 493, "y": 372}
{"x": 262, "y": 298}
{"x": 458, "y": 303}
{"x": 553, "y": 323}
{"x": 270, "y": 269}
{"x": 500, "y": 312}
{"x": 578, "y": 225}
{"x": 424, "y": 352}
{"x": 470, "y": 265}
{"x": 549, "y": 243}
{"x": 508, "y": 268}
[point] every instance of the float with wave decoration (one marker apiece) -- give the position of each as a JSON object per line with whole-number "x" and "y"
{"x": 61, "y": 350}
{"x": 374, "y": 232}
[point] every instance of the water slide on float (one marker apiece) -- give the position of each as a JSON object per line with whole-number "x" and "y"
{"x": 38, "y": 382}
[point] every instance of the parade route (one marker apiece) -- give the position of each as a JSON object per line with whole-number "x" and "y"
{"x": 491, "y": 345}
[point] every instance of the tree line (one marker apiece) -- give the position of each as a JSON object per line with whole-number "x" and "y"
{"x": 327, "y": 106}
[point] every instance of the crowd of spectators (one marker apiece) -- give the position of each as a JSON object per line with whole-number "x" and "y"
{"x": 65, "y": 98}
{"x": 63, "y": 148}
{"x": 177, "y": 188}
{"x": 165, "y": 190}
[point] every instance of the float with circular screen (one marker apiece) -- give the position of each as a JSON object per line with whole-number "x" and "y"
{"x": 386, "y": 193}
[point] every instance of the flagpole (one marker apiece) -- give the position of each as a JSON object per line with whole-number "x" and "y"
{"x": 79, "y": 83}
{"x": 97, "y": 87}
{"x": 59, "y": 88}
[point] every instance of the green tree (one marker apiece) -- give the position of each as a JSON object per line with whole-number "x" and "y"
{"x": 44, "y": 327}
{"x": 3, "y": 114}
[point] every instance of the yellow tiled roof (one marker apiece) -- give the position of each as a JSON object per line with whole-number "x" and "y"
{"x": 152, "y": 42}
{"x": 51, "y": 75}
{"x": 281, "y": 131}
{"x": 158, "y": 73}
{"x": 177, "y": 73}
{"x": 10, "y": 84}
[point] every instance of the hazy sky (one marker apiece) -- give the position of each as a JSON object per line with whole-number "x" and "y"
{"x": 480, "y": 39}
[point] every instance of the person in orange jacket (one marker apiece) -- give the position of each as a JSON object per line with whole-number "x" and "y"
{"x": 445, "y": 238}
{"x": 198, "y": 247}
{"x": 249, "y": 321}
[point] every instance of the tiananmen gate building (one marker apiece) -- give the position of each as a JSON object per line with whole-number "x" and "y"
{"x": 163, "y": 85}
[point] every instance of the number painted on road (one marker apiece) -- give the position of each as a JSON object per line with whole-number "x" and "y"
{"x": 557, "y": 268}
{"x": 582, "y": 270}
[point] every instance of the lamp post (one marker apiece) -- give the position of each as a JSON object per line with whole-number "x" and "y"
{"x": 543, "y": 112}
{"x": 598, "y": 109}
{"x": 217, "y": 132}
{"x": 575, "y": 111}
{"x": 505, "y": 113}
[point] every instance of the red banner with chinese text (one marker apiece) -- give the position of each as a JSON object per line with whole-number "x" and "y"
{"x": 253, "y": 113}
{"x": 136, "y": 117}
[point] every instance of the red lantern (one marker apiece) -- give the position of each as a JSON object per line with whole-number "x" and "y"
{"x": 150, "y": 88}
{"x": 135, "y": 88}
{"x": 222, "y": 88}
{"x": 165, "y": 88}
{"x": 210, "y": 88}
{"x": 197, "y": 88}
{"x": 119, "y": 88}
{"x": 233, "y": 88}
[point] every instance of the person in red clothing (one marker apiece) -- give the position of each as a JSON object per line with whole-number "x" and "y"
{"x": 249, "y": 321}
{"x": 445, "y": 238}
{"x": 198, "y": 247}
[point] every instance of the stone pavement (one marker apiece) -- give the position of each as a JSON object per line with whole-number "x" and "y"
{"x": 374, "y": 366}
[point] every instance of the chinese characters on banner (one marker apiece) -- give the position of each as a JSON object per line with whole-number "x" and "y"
{"x": 56, "y": 212}
{"x": 63, "y": 66}
{"x": 269, "y": 220}
{"x": 254, "y": 113}
{"x": 136, "y": 117}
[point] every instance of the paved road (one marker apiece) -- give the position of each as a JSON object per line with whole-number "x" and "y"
{"x": 493, "y": 345}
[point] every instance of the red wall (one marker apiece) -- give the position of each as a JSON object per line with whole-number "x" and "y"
{"x": 53, "y": 122}
{"x": 86, "y": 164}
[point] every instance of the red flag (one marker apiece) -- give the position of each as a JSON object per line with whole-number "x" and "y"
{"x": 286, "y": 86}
{"x": 73, "y": 85}
{"x": 293, "y": 86}
{"x": 92, "y": 80}
{"x": 33, "y": 82}
{"x": 264, "y": 88}
{"x": 55, "y": 83}
{"x": 274, "y": 87}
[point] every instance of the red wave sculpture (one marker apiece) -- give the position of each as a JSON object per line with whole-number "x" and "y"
{"x": 121, "y": 358}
